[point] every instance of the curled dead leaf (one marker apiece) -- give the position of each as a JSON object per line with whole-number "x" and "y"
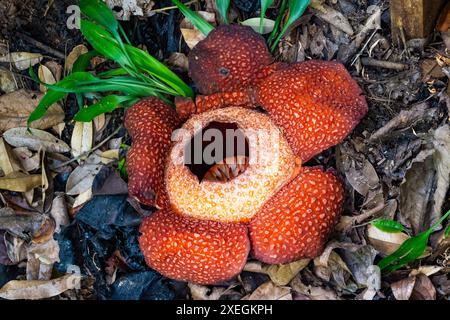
{"x": 35, "y": 139}
{"x": 385, "y": 242}
{"x": 15, "y": 107}
{"x": 22, "y": 60}
{"x": 39, "y": 289}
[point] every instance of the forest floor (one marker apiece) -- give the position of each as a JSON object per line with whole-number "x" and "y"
{"x": 395, "y": 164}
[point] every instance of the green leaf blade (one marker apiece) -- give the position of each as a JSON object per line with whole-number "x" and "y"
{"x": 99, "y": 12}
{"x": 388, "y": 225}
{"x": 201, "y": 24}
{"x": 265, "y": 4}
{"x": 222, "y": 6}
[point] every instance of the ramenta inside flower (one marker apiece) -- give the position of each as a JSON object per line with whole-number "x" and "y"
{"x": 218, "y": 152}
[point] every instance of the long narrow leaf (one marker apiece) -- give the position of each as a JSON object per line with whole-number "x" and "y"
{"x": 99, "y": 12}
{"x": 280, "y": 16}
{"x": 103, "y": 42}
{"x": 83, "y": 61}
{"x": 106, "y": 104}
{"x": 222, "y": 6}
{"x": 145, "y": 62}
{"x": 201, "y": 24}
{"x": 264, "y": 5}
{"x": 296, "y": 9}
{"x": 53, "y": 96}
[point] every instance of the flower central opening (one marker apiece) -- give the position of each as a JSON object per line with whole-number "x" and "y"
{"x": 218, "y": 152}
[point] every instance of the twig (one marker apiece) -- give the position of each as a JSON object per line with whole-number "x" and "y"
{"x": 86, "y": 153}
{"x": 42, "y": 46}
{"x": 172, "y": 7}
{"x": 364, "y": 47}
{"x": 371, "y": 62}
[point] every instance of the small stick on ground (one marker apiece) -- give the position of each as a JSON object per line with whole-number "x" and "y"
{"x": 384, "y": 64}
{"x": 42, "y": 46}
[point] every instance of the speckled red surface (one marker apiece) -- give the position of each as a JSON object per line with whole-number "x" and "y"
{"x": 314, "y": 104}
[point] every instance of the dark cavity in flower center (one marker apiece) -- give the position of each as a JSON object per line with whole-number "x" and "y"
{"x": 218, "y": 152}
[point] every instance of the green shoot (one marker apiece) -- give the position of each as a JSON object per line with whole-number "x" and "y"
{"x": 387, "y": 225}
{"x": 201, "y": 24}
{"x": 296, "y": 9}
{"x": 222, "y": 6}
{"x": 264, "y": 5}
{"x": 410, "y": 250}
{"x": 138, "y": 75}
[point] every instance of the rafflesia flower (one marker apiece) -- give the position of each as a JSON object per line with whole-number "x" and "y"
{"x": 256, "y": 199}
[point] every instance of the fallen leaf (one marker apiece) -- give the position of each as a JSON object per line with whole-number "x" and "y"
{"x": 39, "y": 289}
{"x": 46, "y": 76}
{"x": 8, "y": 160}
{"x": 7, "y": 82}
{"x": 335, "y": 18}
{"x": 29, "y": 161}
{"x": 40, "y": 260}
{"x": 59, "y": 211}
{"x": 15, "y": 108}
{"x": 131, "y": 8}
{"x": 55, "y": 68}
{"x": 81, "y": 179}
{"x": 282, "y": 274}
{"x": 254, "y": 23}
{"x": 16, "y": 248}
{"x": 178, "y": 59}
{"x": 203, "y": 293}
{"x": 20, "y": 182}
{"x": 82, "y": 198}
{"x": 426, "y": 181}
{"x": 21, "y": 225}
{"x": 423, "y": 289}
{"x": 402, "y": 289}
{"x": 22, "y": 60}
{"x": 192, "y": 37}
{"x": 270, "y": 291}
{"x": 34, "y": 140}
{"x": 82, "y": 138}
{"x": 76, "y": 52}
{"x": 385, "y": 242}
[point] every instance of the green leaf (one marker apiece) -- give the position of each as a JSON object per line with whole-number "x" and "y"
{"x": 388, "y": 225}
{"x": 264, "y": 5}
{"x": 410, "y": 250}
{"x": 83, "y": 61}
{"x": 145, "y": 62}
{"x": 123, "y": 169}
{"x": 53, "y": 96}
{"x": 99, "y": 12}
{"x": 222, "y": 6}
{"x": 296, "y": 9}
{"x": 103, "y": 42}
{"x": 280, "y": 16}
{"x": 106, "y": 104}
{"x": 201, "y": 24}
{"x": 447, "y": 231}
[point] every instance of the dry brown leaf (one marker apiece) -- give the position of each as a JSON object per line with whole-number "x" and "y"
{"x": 8, "y": 160}
{"x": 20, "y": 182}
{"x": 335, "y": 18}
{"x": 385, "y": 242}
{"x": 82, "y": 138}
{"x": 39, "y": 289}
{"x": 81, "y": 179}
{"x": 199, "y": 292}
{"x": 40, "y": 259}
{"x": 15, "y": 108}
{"x": 46, "y": 76}
{"x": 7, "y": 82}
{"x": 99, "y": 122}
{"x": 131, "y": 8}
{"x": 59, "y": 211}
{"x": 22, "y": 60}
{"x": 55, "y": 68}
{"x": 35, "y": 139}
{"x": 270, "y": 291}
{"x": 180, "y": 60}
{"x": 282, "y": 274}
{"x": 423, "y": 289}
{"x": 403, "y": 289}
{"x": 28, "y": 160}
{"x": 73, "y": 56}
{"x": 20, "y": 225}
{"x": 191, "y": 35}
{"x": 82, "y": 198}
